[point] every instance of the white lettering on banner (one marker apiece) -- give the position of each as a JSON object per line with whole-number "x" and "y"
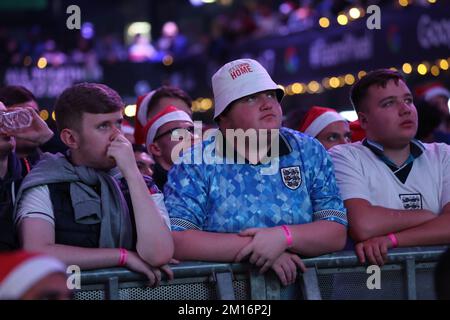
{"x": 433, "y": 33}
{"x": 50, "y": 82}
{"x": 351, "y": 48}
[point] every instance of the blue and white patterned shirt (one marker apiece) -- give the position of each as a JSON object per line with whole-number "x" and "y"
{"x": 233, "y": 197}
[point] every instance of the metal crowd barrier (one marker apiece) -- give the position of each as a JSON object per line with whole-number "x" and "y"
{"x": 408, "y": 274}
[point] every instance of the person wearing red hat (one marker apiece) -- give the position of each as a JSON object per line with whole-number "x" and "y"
{"x": 395, "y": 188}
{"x": 128, "y": 130}
{"x": 437, "y": 95}
{"x": 162, "y": 132}
{"x": 357, "y": 132}
{"x": 148, "y": 105}
{"x": 32, "y": 276}
{"x": 326, "y": 125}
{"x": 92, "y": 207}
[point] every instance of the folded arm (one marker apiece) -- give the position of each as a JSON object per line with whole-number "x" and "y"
{"x": 367, "y": 221}
{"x": 38, "y": 235}
{"x": 207, "y": 246}
{"x": 434, "y": 232}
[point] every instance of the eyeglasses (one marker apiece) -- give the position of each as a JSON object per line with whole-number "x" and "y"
{"x": 178, "y": 132}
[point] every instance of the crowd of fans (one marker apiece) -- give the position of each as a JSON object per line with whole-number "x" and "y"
{"x": 102, "y": 193}
{"x": 224, "y": 29}
{"x": 100, "y": 202}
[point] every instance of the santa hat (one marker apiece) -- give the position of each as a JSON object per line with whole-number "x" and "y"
{"x": 127, "y": 128}
{"x": 358, "y": 133}
{"x": 141, "y": 116}
{"x": 168, "y": 114}
{"x": 317, "y": 118}
{"x": 431, "y": 90}
{"x": 20, "y": 270}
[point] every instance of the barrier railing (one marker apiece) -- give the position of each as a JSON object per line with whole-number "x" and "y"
{"x": 408, "y": 274}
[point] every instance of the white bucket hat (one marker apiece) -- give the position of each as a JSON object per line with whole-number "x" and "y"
{"x": 240, "y": 78}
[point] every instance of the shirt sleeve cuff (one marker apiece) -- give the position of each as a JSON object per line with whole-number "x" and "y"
{"x": 331, "y": 215}
{"x": 181, "y": 225}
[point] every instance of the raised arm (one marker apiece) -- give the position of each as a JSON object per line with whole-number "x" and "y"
{"x": 154, "y": 240}
{"x": 37, "y": 133}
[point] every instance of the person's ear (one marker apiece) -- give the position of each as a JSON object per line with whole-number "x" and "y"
{"x": 70, "y": 138}
{"x": 154, "y": 149}
{"x": 363, "y": 121}
{"x": 223, "y": 121}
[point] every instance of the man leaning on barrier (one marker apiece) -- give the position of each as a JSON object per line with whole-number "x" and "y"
{"x": 395, "y": 188}
{"x": 238, "y": 204}
{"x": 91, "y": 207}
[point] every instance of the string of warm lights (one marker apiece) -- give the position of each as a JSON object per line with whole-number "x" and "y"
{"x": 405, "y": 3}
{"x": 339, "y": 81}
{"x": 313, "y": 87}
{"x": 328, "y": 83}
{"x": 343, "y": 18}
{"x": 355, "y": 13}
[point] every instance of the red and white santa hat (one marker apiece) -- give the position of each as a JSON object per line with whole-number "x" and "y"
{"x": 20, "y": 270}
{"x": 141, "y": 116}
{"x": 127, "y": 128}
{"x": 358, "y": 133}
{"x": 431, "y": 90}
{"x": 317, "y": 118}
{"x": 168, "y": 114}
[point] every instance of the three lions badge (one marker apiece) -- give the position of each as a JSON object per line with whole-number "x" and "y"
{"x": 292, "y": 177}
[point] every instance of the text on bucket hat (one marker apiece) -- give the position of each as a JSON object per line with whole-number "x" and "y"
{"x": 20, "y": 270}
{"x": 317, "y": 118}
{"x": 168, "y": 114}
{"x": 240, "y": 78}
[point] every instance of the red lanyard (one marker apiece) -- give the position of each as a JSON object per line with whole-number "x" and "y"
{"x": 27, "y": 164}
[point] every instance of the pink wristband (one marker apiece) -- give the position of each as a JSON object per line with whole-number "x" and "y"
{"x": 288, "y": 235}
{"x": 123, "y": 257}
{"x": 393, "y": 239}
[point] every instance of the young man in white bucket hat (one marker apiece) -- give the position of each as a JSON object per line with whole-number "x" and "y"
{"x": 232, "y": 211}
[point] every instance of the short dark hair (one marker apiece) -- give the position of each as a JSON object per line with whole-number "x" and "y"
{"x": 168, "y": 92}
{"x": 82, "y": 98}
{"x": 11, "y": 95}
{"x": 379, "y": 78}
{"x": 139, "y": 148}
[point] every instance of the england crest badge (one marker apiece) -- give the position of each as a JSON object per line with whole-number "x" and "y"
{"x": 411, "y": 201}
{"x": 292, "y": 177}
